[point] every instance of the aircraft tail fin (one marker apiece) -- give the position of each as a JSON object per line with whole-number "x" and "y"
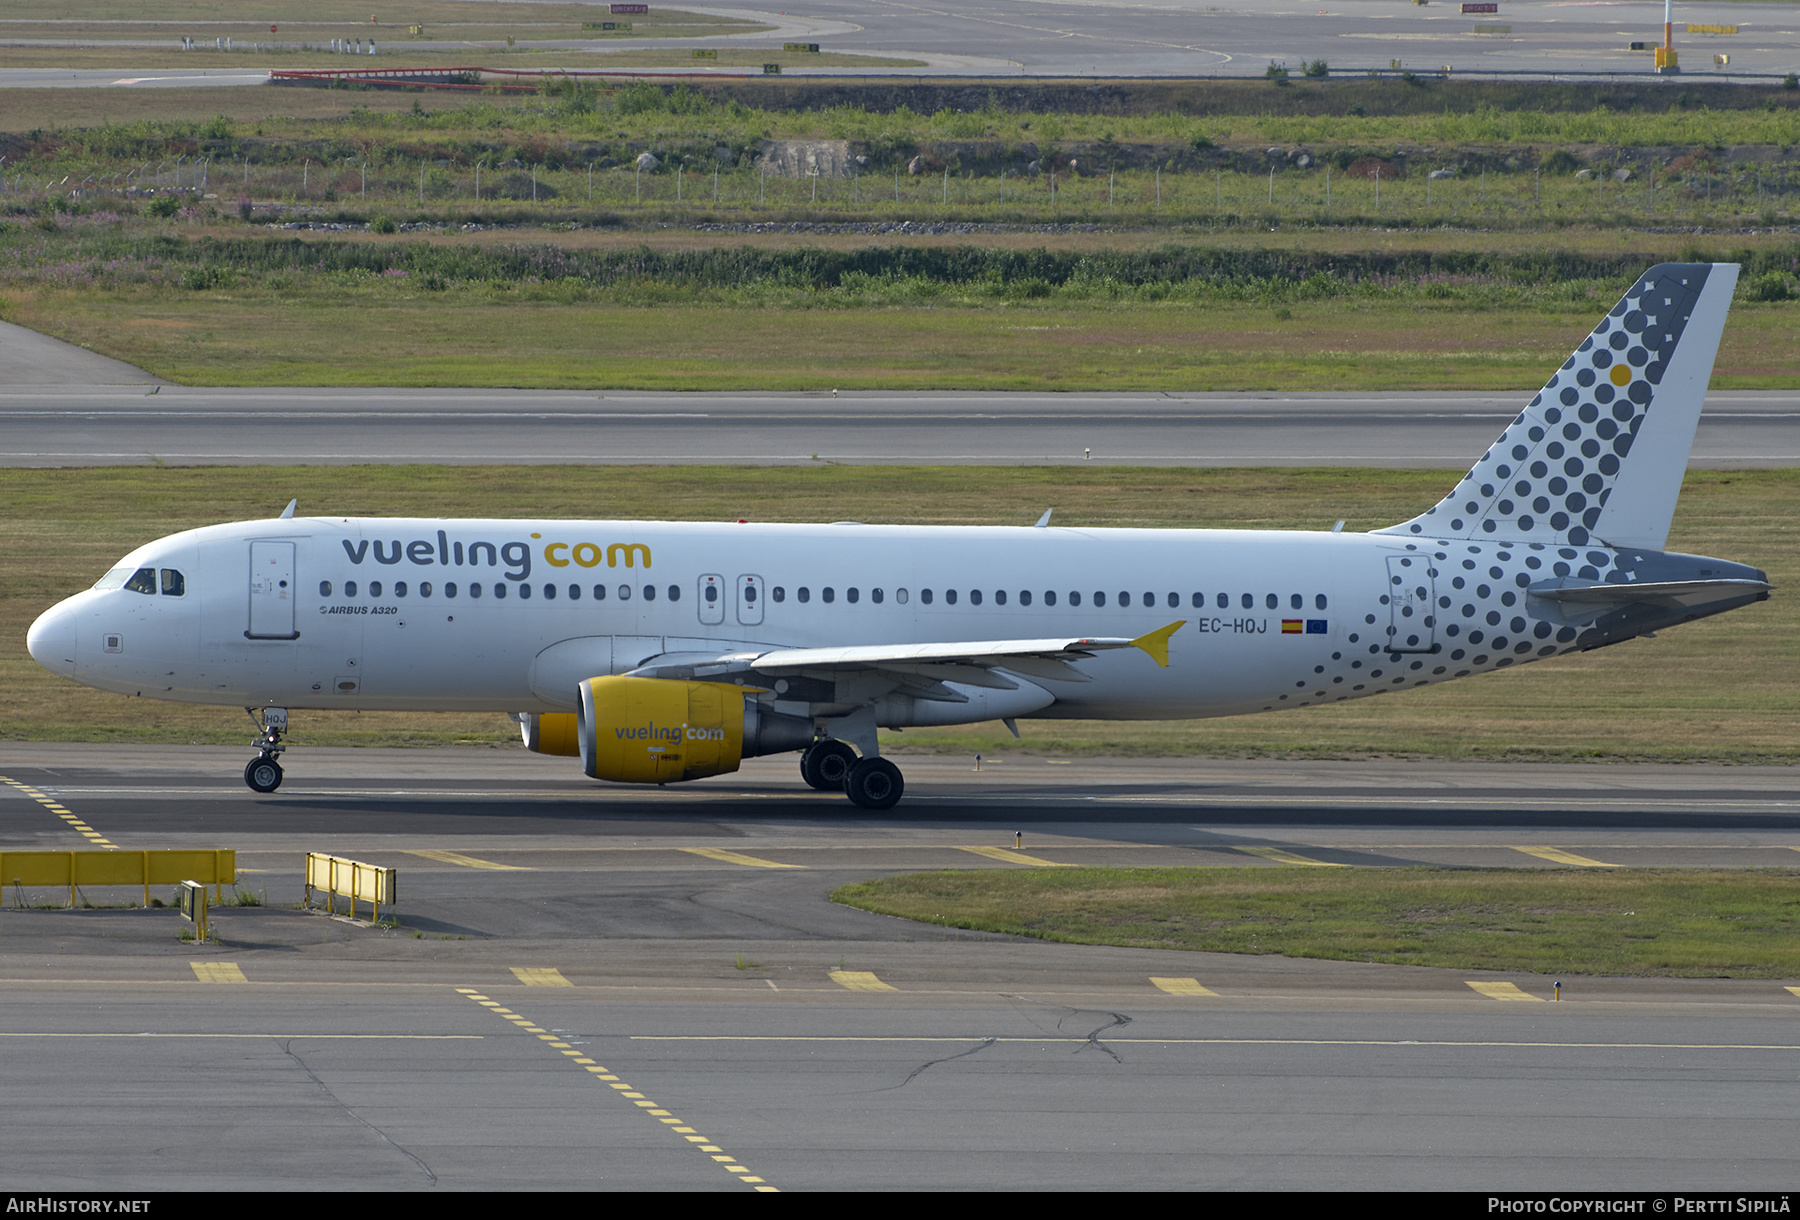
{"x": 1599, "y": 454}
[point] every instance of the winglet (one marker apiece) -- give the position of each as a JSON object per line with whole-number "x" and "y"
{"x": 1156, "y": 644}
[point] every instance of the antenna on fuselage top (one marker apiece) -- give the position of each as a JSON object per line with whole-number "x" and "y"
{"x": 287, "y": 514}
{"x": 1044, "y": 520}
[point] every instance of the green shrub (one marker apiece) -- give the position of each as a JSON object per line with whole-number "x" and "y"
{"x": 1770, "y": 286}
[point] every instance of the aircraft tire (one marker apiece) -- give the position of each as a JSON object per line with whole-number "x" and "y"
{"x": 826, "y": 765}
{"x": 263, "y": 774}
{"x": 874, "y": 783}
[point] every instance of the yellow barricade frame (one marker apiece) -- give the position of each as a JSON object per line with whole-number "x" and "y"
{"x": 214, "y": 866}
{"x": 352, "y": 878}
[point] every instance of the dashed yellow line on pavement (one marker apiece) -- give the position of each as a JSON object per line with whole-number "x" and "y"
{"x": 541, "y": 976}
{"x": 1285, "y": 857}
{"x": 457, "y": 858}
{"x": 1557, "y": 855}
{"x": 1503, "y": 991}
{"x": 55, "y": 806}
{"x": 859, "y": 980}
{"x": 1013, "y": 857}
{"x": 732, "y": 857}
{"x": 1181, "y": 986}
{"x": 218, "y": 972}
{"x": 579, "y": 1058}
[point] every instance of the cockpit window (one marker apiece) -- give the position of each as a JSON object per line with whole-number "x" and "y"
{"x": 114, "y": 579}
{"x": 174, "y": 584}
{"x": 142, "y": 581}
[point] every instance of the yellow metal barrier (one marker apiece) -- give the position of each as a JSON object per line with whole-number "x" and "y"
{"x": 146, "y": 868}
{"x": 352, "y": 878}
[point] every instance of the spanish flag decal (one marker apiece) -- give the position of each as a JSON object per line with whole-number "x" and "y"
{"x": 1293, "y": 626}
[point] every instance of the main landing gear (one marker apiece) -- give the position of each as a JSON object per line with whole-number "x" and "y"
{"x": 871, "y": 783}
{"x": 263, "y": 773}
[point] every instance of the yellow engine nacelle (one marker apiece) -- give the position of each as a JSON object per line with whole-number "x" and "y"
{"x": 551, "y": 733}
{"x": 659, "y": 730}
{"x": 662, "y": 730}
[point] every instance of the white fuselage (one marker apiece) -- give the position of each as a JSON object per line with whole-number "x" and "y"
{"x": 442, "y": 615}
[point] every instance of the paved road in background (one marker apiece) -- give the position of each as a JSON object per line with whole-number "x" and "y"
{"x": 118, "y": 425}
{"x": 1166, "y": 38}
{"x": 682, "y": 1007}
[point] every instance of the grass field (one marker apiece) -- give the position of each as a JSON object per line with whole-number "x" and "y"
{"x": 1682, "y": 923}
{"x": 1720, "y": 690}
{"x": 398, "y": 334}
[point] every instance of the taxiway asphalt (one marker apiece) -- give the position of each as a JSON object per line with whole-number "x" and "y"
{"x": 101, "y": 425}
{"x": 601, "y": 988}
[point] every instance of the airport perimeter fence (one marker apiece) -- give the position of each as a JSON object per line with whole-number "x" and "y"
{"x": 1691, "y": 191}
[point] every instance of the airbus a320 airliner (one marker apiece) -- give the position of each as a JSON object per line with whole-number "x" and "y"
{"x": 666, "y": 651}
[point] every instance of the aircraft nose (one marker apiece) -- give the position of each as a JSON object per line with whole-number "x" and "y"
{"x": 51, "y": 641}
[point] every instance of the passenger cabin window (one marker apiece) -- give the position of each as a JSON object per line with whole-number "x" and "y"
{"x": 142, "y": 581}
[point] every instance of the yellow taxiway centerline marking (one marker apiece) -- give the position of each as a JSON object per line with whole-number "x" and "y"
{"x": 55, "y": 806}
{"x": 218, "y": 972}
{"x": 598, "y": 1072}
{"x": 1557, "y": 855}
{"x": 732, "y": 857}
{"x": 541, "y": 976}
{"x": 1503, "y": 991}
{"x": 1285, "y": 857}
{"x": 1181, "y": 986}
{"x": 1013, "y": 857}
{"x": 453, "y": 857}
{"x": 859, "y": 980}
{"x": 1795, "y": 990}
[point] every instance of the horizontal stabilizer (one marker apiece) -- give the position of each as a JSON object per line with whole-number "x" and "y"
{"x": 1683, "y": 593}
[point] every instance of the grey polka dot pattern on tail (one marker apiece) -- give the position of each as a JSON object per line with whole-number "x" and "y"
{"x": 1552, "y": 471}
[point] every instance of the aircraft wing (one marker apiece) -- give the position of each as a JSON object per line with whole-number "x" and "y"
{"x": 920, "y": 669}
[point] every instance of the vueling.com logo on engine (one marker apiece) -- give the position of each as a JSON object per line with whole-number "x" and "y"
{"x": 651, "y": 732}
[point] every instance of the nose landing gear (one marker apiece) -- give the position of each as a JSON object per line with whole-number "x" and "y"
{"x": 263, "y": 773}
